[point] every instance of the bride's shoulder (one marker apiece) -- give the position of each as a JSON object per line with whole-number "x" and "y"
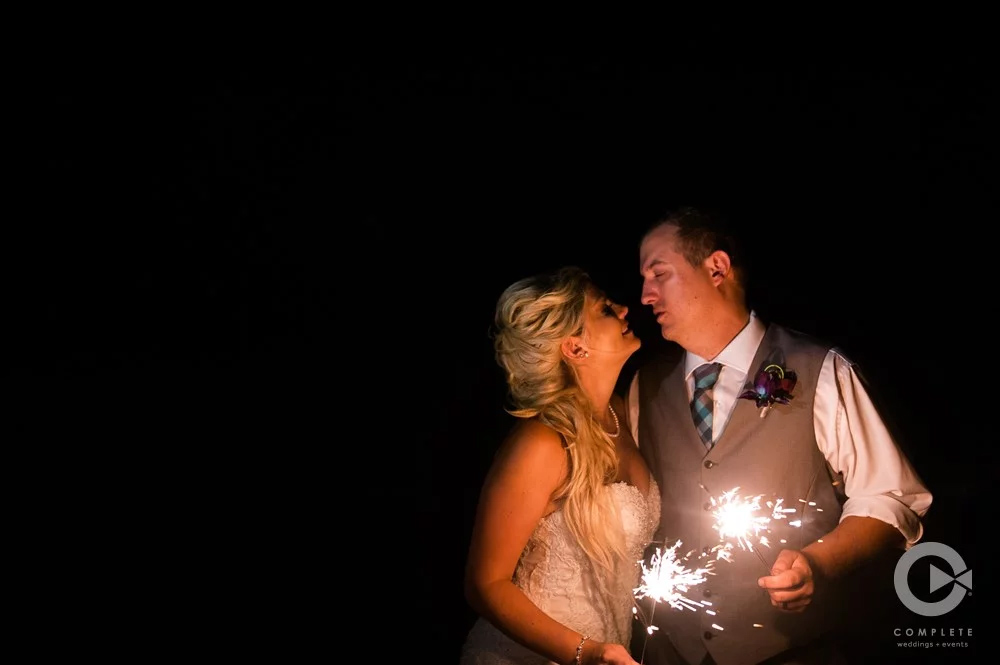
{"x": 532, "y": 444}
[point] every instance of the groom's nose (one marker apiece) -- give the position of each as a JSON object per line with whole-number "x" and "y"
{"x": 649, "y": 294}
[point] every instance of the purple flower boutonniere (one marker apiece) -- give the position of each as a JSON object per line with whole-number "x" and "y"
{"x": 773, "y": 385}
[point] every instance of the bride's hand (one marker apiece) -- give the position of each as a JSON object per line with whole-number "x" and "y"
{"x": 603, "y": 653}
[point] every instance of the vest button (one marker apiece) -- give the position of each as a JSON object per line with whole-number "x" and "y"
{"x": 707, "y": 593}
{"x": 708, "y": 635}
{"x": 706, "y": 550}
{"x": 708, "y": 505}
{"x": 709, "y": 464}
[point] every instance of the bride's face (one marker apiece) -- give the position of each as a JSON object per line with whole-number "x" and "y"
{"x": 605, "y": 329}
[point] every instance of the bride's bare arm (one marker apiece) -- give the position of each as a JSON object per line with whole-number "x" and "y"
{"x": 517, "y": 493}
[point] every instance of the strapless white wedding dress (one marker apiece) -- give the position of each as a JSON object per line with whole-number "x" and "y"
{"x": 554, "y": 573}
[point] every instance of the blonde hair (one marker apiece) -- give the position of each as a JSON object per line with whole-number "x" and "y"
{"x": 533, "y": 317}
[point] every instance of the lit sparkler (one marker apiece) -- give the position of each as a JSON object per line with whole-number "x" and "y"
{"x": 745, "y": 521}
{"x": 667, "y": 580}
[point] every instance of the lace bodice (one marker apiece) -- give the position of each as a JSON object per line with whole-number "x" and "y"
{"x": 554, "y": 573}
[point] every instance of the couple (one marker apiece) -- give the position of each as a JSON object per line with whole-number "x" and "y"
{"x": 588, "y": 478}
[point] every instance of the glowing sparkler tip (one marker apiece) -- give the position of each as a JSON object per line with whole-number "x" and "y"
{"x": 667, "y": 579}
{"x": 739, "y": 519}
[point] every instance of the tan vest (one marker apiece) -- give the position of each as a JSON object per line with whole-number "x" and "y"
{"x": 776, "y": 456}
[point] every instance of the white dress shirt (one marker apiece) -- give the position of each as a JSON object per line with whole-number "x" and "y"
{"x": 878, "y": 479}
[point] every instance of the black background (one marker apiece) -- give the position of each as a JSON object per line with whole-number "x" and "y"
{"x": 261, "y": 280}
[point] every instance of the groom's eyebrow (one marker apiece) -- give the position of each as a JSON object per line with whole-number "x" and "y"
{"x": 653, "y": 263}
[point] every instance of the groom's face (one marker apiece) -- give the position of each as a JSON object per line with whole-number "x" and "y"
{"x": 678, "y": 292}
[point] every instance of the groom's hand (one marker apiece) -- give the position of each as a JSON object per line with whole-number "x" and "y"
{"x": 790, "y": 584}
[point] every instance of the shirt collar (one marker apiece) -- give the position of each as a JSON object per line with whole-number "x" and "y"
{"x": 738, "y": 354}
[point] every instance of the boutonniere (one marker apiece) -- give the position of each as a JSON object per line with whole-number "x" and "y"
{"x": 773, "y": 385}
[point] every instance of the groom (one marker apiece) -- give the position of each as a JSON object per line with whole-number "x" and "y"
{"x": 739, "y": 403}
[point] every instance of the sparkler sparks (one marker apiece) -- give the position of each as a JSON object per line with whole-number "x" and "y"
{"x": 738, "y": 518}
{"x": 666, "y": 580}
{"x": 744, "y": 520}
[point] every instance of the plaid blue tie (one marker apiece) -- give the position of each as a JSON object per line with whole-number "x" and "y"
{"x": 705, "y": 377}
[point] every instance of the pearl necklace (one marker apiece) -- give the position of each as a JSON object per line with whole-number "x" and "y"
{"x": 618, "y": 427}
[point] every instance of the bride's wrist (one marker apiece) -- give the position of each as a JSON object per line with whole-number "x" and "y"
{"x": 578, "y": 659}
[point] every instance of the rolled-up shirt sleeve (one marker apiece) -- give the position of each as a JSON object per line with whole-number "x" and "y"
{"x": 879, "y": 480}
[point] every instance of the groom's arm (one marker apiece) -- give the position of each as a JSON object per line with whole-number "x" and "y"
{"x": 886, "y": 498}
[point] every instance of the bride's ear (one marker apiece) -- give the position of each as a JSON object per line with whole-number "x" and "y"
{"x": 573, "y": 350}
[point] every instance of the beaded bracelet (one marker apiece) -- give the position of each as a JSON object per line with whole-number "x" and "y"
{"x": 579, "y": 648}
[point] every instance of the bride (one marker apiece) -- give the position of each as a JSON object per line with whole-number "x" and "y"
{"x": 569, "y": 504}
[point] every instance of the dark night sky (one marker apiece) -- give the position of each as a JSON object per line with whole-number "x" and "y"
{"x": 274, "y": 273}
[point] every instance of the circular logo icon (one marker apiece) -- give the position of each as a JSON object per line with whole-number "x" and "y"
{"x": 960, "y": 576}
